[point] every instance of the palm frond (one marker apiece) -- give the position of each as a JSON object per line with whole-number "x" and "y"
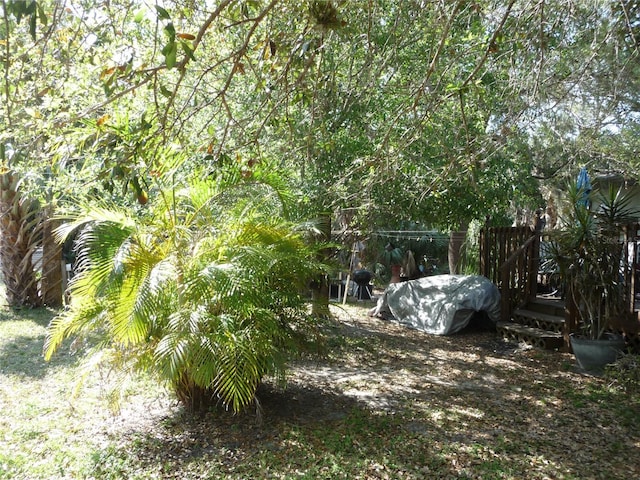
{"x": 171, "y": 354}
{"x": 156, "y": 297}
{"x": 89, "y": 214}
{"x": 616, "y": 208}
{"x": 81, "y": 316}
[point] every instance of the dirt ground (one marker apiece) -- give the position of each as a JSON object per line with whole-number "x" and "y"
{"x": 464, "y": 397}
{"x": 384, "y": 364}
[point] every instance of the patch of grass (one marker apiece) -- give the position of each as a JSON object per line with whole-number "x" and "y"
{"x": 624, "y": 374}
{"x": 626, "y": 408}
{"x": 111, "y": 464}
{"x": 46, "y": 431}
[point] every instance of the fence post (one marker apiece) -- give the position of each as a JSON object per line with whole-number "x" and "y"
{"x": 570, "y": 319}
{"x": 485, "y": 253}
{"x": 505, "y": 294}
{"x": 534, "y": 259}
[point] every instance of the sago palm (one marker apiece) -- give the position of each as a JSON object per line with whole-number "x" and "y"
{"x": 203, "y": 291}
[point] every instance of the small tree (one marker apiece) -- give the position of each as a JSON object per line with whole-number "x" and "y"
{"x": 591, "y": 258}
{"x": 203, "y": 289}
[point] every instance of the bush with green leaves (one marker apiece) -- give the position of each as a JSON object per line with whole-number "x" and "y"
{"x": 202, "y": 289}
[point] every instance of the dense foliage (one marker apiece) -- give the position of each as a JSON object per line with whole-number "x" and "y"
{"x": 437, "y": 112}
{"x": 434, "y": 112}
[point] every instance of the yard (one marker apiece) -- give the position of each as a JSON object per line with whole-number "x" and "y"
{"x": 386, "y": 402}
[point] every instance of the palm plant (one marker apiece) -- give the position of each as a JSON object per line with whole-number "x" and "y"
{"x": 20, "y": 236}
{"x": 589, "y": 253}
{"x": 203, "y": 291}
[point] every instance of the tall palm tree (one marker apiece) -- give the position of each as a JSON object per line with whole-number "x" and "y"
{"x": 20, "y": 236}
{"x": 203, "y": 290}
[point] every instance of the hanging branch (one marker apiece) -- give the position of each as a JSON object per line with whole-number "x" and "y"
{"x": 7, "y": 49}
{"x": 237, "y": 55}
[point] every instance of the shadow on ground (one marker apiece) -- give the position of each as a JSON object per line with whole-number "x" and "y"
{"x": 22, "y": 354}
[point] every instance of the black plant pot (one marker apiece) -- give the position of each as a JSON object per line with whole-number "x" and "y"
{"x": 593, "y": 355}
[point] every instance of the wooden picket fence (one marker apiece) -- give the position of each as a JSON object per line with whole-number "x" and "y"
{"x": 510, "y": 258}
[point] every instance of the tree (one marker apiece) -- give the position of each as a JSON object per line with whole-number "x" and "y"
{"x": 20, "y": 233}
{"x": 582, "y": 90}
{"x": 357, "y": 95}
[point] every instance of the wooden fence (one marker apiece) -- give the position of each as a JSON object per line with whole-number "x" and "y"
{"x": 510, "y": 258}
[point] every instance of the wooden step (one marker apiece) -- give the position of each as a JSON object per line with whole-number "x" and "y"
{"x": 539, "y": 320}
{"x": 550, "y": 306}
{"x": 530, "y": 335}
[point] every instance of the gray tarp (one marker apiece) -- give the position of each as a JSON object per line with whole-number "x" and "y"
{"x": 441, "y": 304}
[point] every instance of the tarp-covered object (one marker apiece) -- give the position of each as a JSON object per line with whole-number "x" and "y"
{"x": 441, "y": 304}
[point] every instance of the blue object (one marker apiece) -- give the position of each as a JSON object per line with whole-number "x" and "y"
{"x": 584, "y": 187}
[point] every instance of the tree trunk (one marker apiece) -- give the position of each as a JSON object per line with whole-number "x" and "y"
{"x": 455, "y": 251}
{"x": 320, "y": 299}
{"x": 456, "y": 241}
{"x": 320, "y": 287}
{"x": 194, "y": 398}
{"x": 53, "y": 268}
{"x": 20, "y": 227}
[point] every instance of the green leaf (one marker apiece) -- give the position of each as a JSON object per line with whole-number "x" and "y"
{"x": 165, "y": 91}
{"x": 32, "y": 26}
{"x": 139, "y": 17}
{"x": 170, "y": 59}
{"x": 188, "y": 50}
{"x": 170, "y": 52}
{"x": 42, "y": 15}
{"x": 162, "y": 13}
{"x": 170, "y": 30}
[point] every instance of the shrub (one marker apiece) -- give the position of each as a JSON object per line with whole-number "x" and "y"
{"x": 203, "y": 290}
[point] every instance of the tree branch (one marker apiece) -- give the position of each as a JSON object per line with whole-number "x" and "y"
{"x": 7, "y": 45}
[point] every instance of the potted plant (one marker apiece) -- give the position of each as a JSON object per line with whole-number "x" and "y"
{"x": 392, "y": 257}
{"x": 591, "y": 258}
